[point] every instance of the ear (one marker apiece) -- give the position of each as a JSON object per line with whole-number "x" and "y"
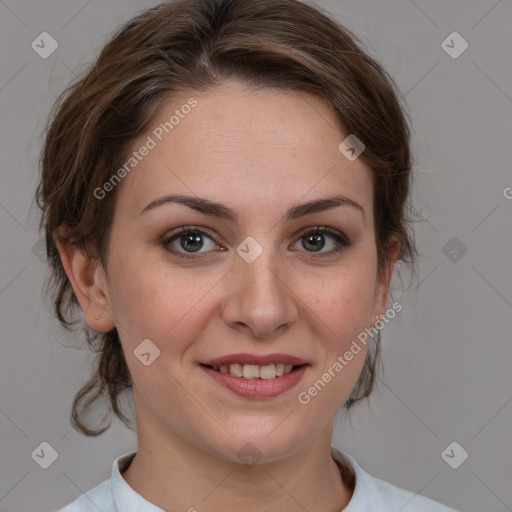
{"x": 383, "y": 280}
{"x": 89, "y": 283}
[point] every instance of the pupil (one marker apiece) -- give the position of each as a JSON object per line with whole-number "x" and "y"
{"x": 195, "y": 243}
{"x": 190, "y": 241}
{"x": 318, "y": 241}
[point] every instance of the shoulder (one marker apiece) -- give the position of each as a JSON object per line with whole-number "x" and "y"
{"x": 393, "y": 497}
{"x": 377, "y": 495}
{"x": 112, "y": 495}
{"x": 98, "y": 498}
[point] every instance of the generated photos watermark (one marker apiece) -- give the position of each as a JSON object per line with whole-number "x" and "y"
{"x": 304, "y": 397}
{"x": 157, "y": 135}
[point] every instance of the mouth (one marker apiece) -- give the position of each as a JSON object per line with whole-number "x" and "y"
{"x": 256, "y": 376}
{"x": 254, "y": 371}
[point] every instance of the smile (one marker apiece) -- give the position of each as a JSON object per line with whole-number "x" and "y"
{"x": 254, "y": 371}
{"x": 257, "y": 382}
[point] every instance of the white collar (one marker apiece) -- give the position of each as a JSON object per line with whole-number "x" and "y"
{"x": 366, "y": 496}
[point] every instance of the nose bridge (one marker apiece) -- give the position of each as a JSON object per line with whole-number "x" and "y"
{"x": 262, "y": 277}
{"x": 260, "y": 297}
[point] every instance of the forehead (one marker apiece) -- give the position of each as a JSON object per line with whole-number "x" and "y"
{"x": 244, "y": 146}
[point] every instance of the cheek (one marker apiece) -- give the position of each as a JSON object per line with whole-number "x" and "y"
{"x": 350, "y": 308}
{"x": 342, "y": 299}
{"x": 344, "y": 306}
{"x": 151, "y": 299}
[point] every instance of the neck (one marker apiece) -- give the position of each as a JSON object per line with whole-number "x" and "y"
{"x": 174, "y": 474}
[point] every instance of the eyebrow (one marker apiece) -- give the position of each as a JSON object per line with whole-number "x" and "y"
{"x": 215, "y": 209}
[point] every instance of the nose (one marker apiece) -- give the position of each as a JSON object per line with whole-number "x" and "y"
{"x": 259, "y": 298}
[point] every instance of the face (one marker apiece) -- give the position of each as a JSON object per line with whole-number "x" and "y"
{"x": 259, "y": 282}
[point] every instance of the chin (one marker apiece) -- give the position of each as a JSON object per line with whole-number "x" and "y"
{"x": 249, "y": 447}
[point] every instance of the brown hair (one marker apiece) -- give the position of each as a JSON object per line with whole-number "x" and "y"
{"x": 196, "y": 45}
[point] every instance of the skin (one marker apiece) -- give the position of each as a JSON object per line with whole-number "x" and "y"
{"x": 258, "y": 152}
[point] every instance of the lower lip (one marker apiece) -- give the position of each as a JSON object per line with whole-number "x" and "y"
{"x": 257, "y": 388}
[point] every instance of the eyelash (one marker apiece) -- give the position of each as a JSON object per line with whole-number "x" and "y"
{"x": 341, "y": 241}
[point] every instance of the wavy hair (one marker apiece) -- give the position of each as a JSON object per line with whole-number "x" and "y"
{"x": 192, "y": 45}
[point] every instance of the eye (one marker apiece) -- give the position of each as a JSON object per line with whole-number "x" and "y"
{"x": 187, "y": 242}
{"x": 188, "y": 239}
{"x": 314, "y": 240}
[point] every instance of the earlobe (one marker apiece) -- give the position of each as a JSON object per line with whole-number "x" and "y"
{"x": 87, "y": 278}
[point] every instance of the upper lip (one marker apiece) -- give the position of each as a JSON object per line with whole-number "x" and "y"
{"x": 256, "y": 360}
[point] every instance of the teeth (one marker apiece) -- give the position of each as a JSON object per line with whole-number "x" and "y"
{"x": 253, "y": 371}
{"x": 268, "y": 371}
{"x": 236, "y": 370}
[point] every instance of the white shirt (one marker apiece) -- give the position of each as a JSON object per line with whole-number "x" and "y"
{"x": 370, "y": 494}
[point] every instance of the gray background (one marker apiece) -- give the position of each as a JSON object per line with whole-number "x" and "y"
{"x": 447, "y": 357}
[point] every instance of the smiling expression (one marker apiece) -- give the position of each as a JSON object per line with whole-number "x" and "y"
{"x": 258, "y": 170}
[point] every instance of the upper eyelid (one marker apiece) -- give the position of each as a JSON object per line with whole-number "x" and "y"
{"x": 184, "y": 229}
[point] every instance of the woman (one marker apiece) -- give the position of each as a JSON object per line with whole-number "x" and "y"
{"x": 224, "y": 195}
